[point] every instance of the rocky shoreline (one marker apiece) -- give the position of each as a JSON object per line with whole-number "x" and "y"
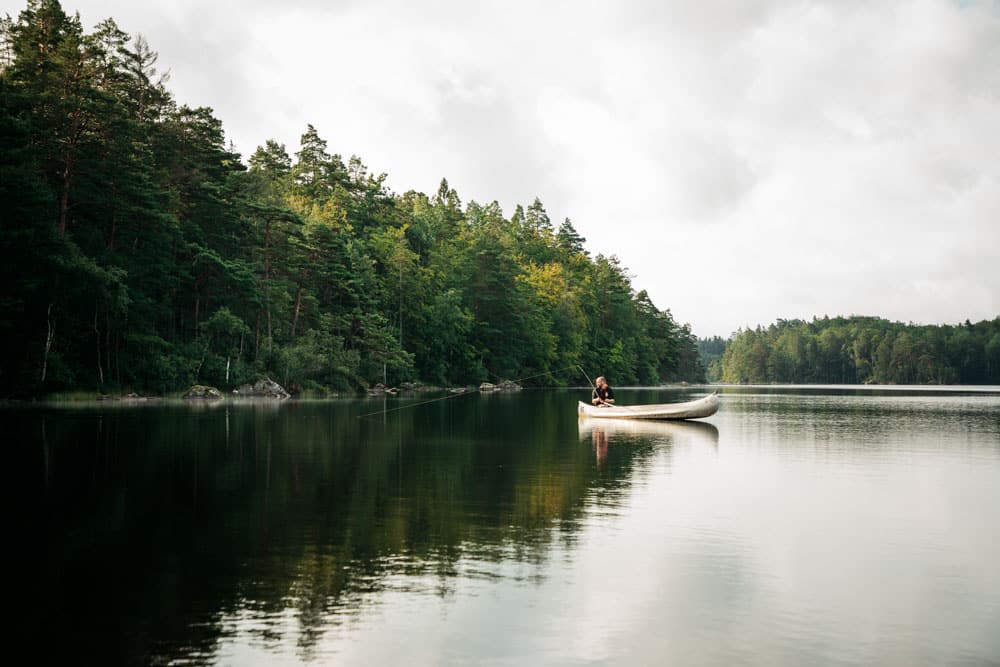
{"x": 266, "y": 388}
{"x": 416, "y": 388}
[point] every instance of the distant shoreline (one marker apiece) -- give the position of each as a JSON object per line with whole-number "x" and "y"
{"x": 85, "y": 398}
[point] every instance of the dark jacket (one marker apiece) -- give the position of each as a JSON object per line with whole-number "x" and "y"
{"x": 602, "y": 393}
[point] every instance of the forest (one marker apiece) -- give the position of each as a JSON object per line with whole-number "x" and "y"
{"x": 856, "y": 350}
{"x": 141, "y": 253}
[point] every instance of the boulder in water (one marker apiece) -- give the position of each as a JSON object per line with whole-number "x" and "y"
{"x": 262, "y": 388}
{"x": 201, "y": 391}
{"x": 505, "y": 385}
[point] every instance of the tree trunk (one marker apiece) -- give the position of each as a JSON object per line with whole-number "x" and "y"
{"x": 401, "y": 306}
{"x": 114, "y": 229}
{"x": 270, "y": 338}
{"x": 197, "y": 306}
{"x": 256, "y": 338}
{"x": 172, "y": 316}
{"x": 298, "y": 307}
{"x": 267, "y": 279}
{"x": 97, "y": 331}
{"x": 50, "y": 333}
{"x": 77, "y": 123}
{"x": 107, "y": 339}
{"x": 64, "y": 202}
{"x": 118, "y": 356}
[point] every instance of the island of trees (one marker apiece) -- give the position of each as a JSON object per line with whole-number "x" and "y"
{"x": 857, "y": 350}
{"x": 139, "y": 252}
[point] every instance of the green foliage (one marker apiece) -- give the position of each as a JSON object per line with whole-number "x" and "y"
{"x": 140, "y": 253}
{"x": 710, "y": 351}
{"x": 859, "y": 350}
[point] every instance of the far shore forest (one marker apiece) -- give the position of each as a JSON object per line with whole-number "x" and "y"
{"x": 141, "y": 253}
{"x": 856, "y": 350}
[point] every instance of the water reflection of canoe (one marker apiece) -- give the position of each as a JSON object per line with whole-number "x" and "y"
{"x": 697, "y": 431}
{"x": 703, "y": 407}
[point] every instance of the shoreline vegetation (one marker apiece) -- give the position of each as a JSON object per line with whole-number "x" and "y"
{"x": 139, "y": 253}
{"x": 69, "y": 398}
{"x": 856, "y": 351}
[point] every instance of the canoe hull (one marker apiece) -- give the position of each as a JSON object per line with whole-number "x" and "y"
{"x": 698, "y": 409}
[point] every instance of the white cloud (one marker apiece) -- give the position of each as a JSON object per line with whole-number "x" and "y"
{"x": 746, "y": 161}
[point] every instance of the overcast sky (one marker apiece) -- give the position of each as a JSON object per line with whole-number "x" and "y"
{"x": 747, "y": 161}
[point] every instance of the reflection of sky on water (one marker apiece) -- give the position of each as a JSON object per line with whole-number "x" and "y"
{"x": 789, "y": 536}
{"x": 787, "y": 529}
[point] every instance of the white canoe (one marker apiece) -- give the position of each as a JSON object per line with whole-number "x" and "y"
{"x": 703, "y": 407}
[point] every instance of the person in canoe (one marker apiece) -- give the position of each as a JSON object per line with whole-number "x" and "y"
{"x": 602, "y": 396}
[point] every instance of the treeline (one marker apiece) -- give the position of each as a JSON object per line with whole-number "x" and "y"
{"x": 859, "y": 350}
{"x": 139, "y": 251}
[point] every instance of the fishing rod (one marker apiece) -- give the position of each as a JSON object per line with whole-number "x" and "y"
{"x": 595, "y": 387}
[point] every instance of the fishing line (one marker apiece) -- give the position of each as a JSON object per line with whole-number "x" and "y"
{"x": 464, "y": 393}
{"x": 413, "y": 405}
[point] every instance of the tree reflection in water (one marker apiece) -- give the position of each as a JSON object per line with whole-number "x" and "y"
{"x": 154, "y": 534}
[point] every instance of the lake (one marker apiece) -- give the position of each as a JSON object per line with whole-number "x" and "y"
{"x": 821, "y": 525}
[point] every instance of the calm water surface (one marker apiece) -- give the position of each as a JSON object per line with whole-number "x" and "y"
{"x": 796, "y": 526}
